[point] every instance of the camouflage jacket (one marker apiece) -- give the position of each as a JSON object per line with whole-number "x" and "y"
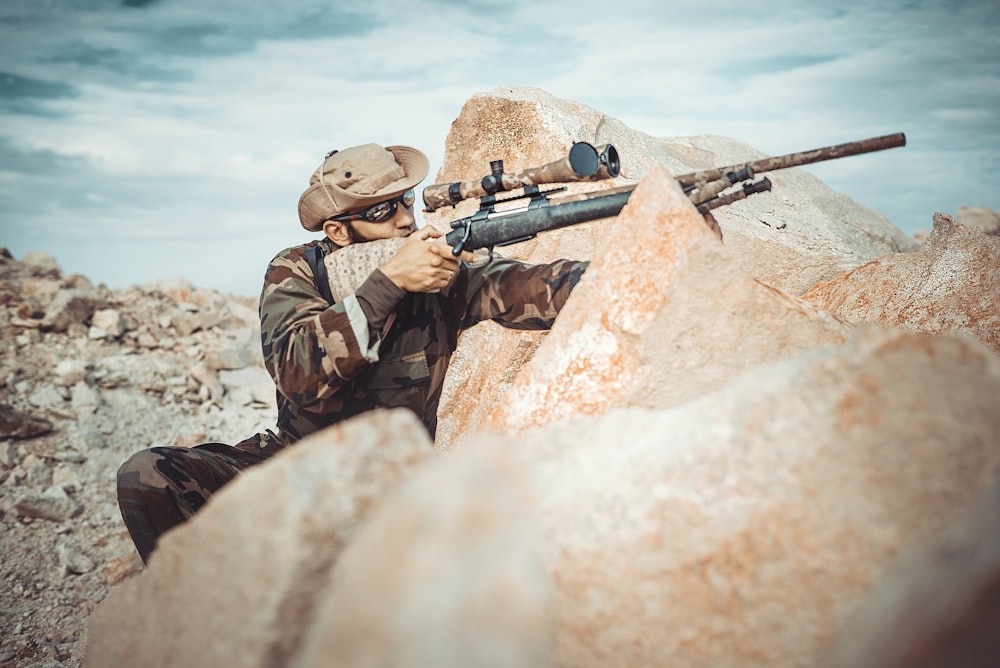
{"x": 382, "y": 346}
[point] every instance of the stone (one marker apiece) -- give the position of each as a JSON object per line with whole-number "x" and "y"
{"x": 111, "y": 321}
{"x": 939, "y": 604}
{"x": 663, "y": 315}
{"x": 41, "y": 263}
{"x": 254, "y": 382}
{"x": 122, "y": 568}
{"x": 70, "y": 307}
{"x": 980, "y": 218}
{"x": 69, "y": 372}
{"x": 242, "y": 350}
{"x": 949, "y": 284}
{"x": 207, "y": 378}
{"x": 53, "y": 505}
{"x": 84, "y": 398}
{"x": 17, "y": 424}
{"x": 790, "y": 239}
{"x": 74, "y": 562}
{"x": 310, "y": 500}
{"x": 745, "y": 527}
{"x": 448, "y": 573}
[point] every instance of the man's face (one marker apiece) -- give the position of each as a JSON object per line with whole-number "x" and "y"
{"x": 401, "y": 224}
{"x": 358, "y": 230}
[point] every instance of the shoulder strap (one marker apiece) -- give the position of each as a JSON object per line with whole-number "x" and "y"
{"x": 314, "y": 256}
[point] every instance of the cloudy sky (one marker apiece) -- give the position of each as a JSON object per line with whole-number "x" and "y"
{"x": 151, "y": 139}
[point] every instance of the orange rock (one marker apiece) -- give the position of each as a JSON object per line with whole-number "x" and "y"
{"x": 950, "y": 283}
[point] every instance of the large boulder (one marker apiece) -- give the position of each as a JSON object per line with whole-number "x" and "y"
{"x": 744, "y": 528}
{"x": 662, "y": 315}
{"x": 950, "y": 283}
{"x": 237, "y": 585}
{"x": 800, "y": 233}
{"x": 939, "y": 606}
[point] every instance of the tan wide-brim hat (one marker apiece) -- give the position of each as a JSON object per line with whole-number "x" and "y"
{"x": 356, "y": 178}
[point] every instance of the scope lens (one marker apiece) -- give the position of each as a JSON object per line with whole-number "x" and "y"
{"x": 583, "y": 159}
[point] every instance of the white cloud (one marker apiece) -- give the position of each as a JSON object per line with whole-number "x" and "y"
{"x": 197, "y": 125}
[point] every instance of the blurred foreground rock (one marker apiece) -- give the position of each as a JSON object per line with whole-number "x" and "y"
{"x": 740, "y": 529}
{"x": 940, "y": 604}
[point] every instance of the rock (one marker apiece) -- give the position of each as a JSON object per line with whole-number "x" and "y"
{"x": 69, "y": 372}
{"x": 74, "y": 562}
{"x": 40, "y": 291}
{"x": 53, "y": 505}
{"x": 122, "y": 568}
{"x": 791, "y": 238}
{"x": 84, "y": 398}
{"x": 745, "y": 527}
{"x": 243, "y": 351}
{"x": 207, "y": 378}
{"x": 111, "y": 321}
{"x": 70, "y": 307}
{"x": 253, "y": 381}
{"x": 795, "y": 236}
{"x": 16, "y": 424}
{"x": 41, "y": 263}
{"x": 448, "y": 573}
{"x": 950, "y": 284}
{"x": 311, "y": 498}
{"x": 48, "y": 396}
{"x": 980, "y": 218}
{"x": 663, "y": 315}
{"x": 938, "y": 606}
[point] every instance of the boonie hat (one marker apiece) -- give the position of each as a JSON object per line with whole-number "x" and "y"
{"x": 356, "y": 178}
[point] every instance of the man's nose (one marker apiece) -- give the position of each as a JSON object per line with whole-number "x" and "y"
{"x": 405, "y": 219}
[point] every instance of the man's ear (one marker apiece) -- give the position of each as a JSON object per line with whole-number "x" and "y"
{"x": 336, "y": 231}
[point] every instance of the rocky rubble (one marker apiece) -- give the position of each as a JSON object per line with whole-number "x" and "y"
{"x": 88, "y": 376}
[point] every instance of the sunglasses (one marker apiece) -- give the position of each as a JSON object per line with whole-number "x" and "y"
{"x": 382, "y": 211}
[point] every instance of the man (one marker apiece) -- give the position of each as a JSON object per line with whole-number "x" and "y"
{"x": 335, "y": 351}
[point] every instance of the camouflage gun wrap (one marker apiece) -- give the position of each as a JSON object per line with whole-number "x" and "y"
{"x": 694, "y": 179}
{"x": 583, "y": 163}
{"x": 706, "y": 190}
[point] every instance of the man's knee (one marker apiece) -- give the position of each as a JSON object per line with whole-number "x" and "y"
{"x": 143, "y": 470}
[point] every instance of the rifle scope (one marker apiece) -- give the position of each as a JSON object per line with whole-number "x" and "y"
{"x": 583, "y": 163}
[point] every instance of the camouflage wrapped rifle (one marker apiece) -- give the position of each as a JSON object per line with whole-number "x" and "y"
{"x": 706, "y": 189}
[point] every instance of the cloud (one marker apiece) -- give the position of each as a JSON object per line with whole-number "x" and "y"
{"x": 192, "y": 127}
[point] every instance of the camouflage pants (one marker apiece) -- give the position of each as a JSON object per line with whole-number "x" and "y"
{"x": 162, "y": 487}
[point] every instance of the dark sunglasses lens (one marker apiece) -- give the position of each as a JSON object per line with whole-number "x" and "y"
{"x": 379, "y": 212}
{"x": 408, "y": 198}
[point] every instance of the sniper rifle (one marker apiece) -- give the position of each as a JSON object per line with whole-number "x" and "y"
{"x": 706, "y": 189}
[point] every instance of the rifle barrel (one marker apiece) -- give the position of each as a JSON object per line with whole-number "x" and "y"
{"x": 799, "y": 159}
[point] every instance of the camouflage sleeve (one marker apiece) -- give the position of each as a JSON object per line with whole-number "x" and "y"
{"x": 312, "y": 349}
{"x": 518, "y": 295}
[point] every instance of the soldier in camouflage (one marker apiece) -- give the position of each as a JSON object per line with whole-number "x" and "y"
{"x": 335, "y": 349}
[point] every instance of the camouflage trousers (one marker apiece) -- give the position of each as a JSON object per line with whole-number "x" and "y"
{"x": 162, "y": 487}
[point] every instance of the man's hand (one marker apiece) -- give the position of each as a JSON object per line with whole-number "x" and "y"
{"x": 421, "y": 265}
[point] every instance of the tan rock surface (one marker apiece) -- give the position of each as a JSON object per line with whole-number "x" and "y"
{"x": 661, "y": 316}
{"x": 791, "y": 238}
{"x": 938, "y": 606}
{"x": 743, "y": 528}
{"x": 740, "y": 529}
{"x": 450, "y": 573}
{"x": 950, "y": 283}
{"x": 238, "y": 584}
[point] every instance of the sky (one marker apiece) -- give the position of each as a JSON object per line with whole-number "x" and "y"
{"x": 143, "y": 140}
